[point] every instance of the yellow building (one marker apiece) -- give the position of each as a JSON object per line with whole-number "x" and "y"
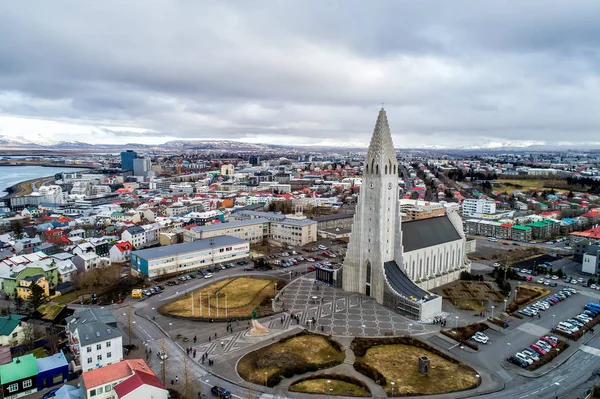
{"x": 24, "y": 287}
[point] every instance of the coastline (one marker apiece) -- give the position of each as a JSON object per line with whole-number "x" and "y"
{"x": 46, "y": 165}
{"x": 23, "y": 188}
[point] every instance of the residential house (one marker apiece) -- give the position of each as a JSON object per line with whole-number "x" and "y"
{"x": 26, "y": 245}
{"x": 94, "y": 339}
{"x": 25, "y": 287}
{"x": 11, "y": 275}
{"x": 112, "y": 381}
{"x": 52, "y": 370}
{"x": 120, "y": 252}
{"x": 18, "y": 378}
{"x": 69, "y": 392}
{"x": 90, "y": 260}
{"x": 136, "y": 236}
{"x": 12, "y": 330}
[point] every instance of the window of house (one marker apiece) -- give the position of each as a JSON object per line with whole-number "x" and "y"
{"x": 27, "y": 384}
{"x": 108, "y": 355}
{"x": 89, "y": 360}
{"x": 92, "y": 392}
{"x": 13, "y": 387}
{"x": 14, "y": 335}
{"x": 89, "y": 349}
{"x": 107, "y": 388}
{"x": 99, "y": 390}
{"x": 99, "y": 357}
{"x": 108, "y": 344}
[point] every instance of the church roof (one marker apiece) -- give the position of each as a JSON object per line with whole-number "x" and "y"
{"x": 423, "y": 233}
{"x": 381, "y": 145}
{"x": 400, "y": 282}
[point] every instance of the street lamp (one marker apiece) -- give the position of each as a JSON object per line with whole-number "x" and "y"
{"x": 393, "y": 383}
{"x": 456, "y": 322}
{"x": 363, "y": 330}
{"x": 553, "y": 321}
{"x": 493, "y": 311}
{"x": 170, "y": 324}
{"x": 409, "y": 329}
{"x": 556, "y": 389}
{"x": 505, "y": 305}
{"x": 265, "y": 378}
{"x": 328, "y": 389}
{"x": 478, "y": 382}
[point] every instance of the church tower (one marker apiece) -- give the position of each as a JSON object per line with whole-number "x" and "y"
{"x": 376, "y": 233}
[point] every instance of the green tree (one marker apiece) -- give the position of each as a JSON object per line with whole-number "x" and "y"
{"x": 570, "y": 195}
{"x": 18, "y": 231}
{"x": 38, "y": 296}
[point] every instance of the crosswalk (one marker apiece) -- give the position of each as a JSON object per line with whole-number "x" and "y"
{"x": 590, "y": 350}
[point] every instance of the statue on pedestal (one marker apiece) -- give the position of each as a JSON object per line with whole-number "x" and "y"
{"x": 257, "y": 328}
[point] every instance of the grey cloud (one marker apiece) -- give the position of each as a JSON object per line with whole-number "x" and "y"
{"x": 459, "y": 71}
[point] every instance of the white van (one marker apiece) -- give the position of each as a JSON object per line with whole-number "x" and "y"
{"x": 492, "y": 239}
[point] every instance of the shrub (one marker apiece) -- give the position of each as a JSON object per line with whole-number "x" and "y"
{"x": 548, "y": 357}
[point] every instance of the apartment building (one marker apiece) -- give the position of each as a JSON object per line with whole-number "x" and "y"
{"x": 254, "y": 230}
{"x": 189, "y": 256}
{"x": 477, "y": 207}
{"x": 416, "y": 209}
{"x": 94, "y": 339}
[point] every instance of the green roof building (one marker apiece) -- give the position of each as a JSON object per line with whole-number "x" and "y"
{"x": 18, "y": 377}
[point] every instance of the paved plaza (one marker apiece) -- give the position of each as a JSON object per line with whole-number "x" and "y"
{"x": 342, "y": 313}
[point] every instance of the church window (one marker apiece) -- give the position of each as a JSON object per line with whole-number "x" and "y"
{"x": 433, "y": 266}
{"x": 414, "y": 267}
{"x": 372, "y": 165}
{"x": 377, "y": 169}
{"x": 368, "y": 272}
{"x": 367, "y": 168}
{"x": 390, "y": 162}
{"x": 427, "y": 265}
{"x": 394, "y": 169}
{"x": 446, "y": 259}
{"x": 420, "y": 267}
{"x": 386, "y": 169}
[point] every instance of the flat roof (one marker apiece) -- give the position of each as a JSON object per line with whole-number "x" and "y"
{"x": 227, "y": 225}
{"x": 194, "y": 246}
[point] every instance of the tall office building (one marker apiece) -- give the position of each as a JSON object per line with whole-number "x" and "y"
{"x": 127, "y": 158}
{"x": 254, "y": 160}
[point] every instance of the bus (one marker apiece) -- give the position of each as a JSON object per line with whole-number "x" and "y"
{"x": 137, "y": 293}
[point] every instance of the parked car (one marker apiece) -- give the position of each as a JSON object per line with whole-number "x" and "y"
{"x": 220, "y": 392}
{"x": 208, "y": 275}
{"x": 531, "y": 353}
{"x": 538, "y": 349}
{"x": 480, "y": 337}
{"x": 162, "y": 355}
{"x": 524, "y": 357}
{"x": 519, "y": 362}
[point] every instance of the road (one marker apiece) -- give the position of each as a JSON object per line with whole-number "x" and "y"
{"x": 575, "y": 375}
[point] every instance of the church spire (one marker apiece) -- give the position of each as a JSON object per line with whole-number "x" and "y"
{"x": 381, "y": 146}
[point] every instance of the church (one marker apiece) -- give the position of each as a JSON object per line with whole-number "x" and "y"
{"x": 393, "y": 262}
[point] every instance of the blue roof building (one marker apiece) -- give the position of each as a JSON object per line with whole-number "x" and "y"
{"x": 52, "y": 370}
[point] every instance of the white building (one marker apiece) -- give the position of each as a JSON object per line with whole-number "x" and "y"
{"x": 123, "y": 380}
{"x": 51, "y": 193}
{"x": 476, "y": 207}
{"x": 382, "y": 249}
{"x": 94, "y": 339}
{"x": 120, "y": 252}
{"x": 179, "y": 258}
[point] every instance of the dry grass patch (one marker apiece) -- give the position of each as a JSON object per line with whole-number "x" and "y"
{"x": 240, "y": 295}
{"x": 319, "y": 386}
{"x": 399, "y": 363}
{"x": 297, "y": 354}
{"x": 526, "y": 185}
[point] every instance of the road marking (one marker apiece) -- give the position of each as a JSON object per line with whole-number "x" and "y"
{"x": 533, "y": 329}
{"x": 524, "y": 396}
{"x": 590, "y": 350}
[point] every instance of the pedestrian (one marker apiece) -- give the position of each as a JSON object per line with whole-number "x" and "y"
{"x": 539, "y": 316}
{"x": 215, "y": 335}
{"x": 172, "y": 382}
{"x": 194, "y": 339}
{"x": 194, "y": 353}
{"x": 176, "y": 378}
{"x": 209, "y": 338}
{"x": 222, "y": 344}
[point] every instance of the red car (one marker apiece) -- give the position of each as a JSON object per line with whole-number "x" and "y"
{"x": 552, "y": 342}
{"x": 538, "y": 349}
{"x": 310, "y": 268}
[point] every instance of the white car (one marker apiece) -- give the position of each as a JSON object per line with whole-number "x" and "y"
{"x": 593, "y": 286}
{"x": 208, "y": 275}
{"x": 496, "y": 264}
{"x": 554, "y": 277}
{"x": 541, "y": 281}
{"x": 481, "y": 338}
{"x": 524, "y": 357}
{"x": 531, "y": 353}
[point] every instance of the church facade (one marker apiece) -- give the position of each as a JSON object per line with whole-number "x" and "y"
{"x": 392, "y": 263}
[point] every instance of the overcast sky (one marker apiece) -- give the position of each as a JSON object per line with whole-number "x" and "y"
{"x": 300, "y": 72}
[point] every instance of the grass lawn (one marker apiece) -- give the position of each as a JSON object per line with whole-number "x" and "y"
{"x": 296, "y": 355}
{"x": 240, "y": 295}
{"x": 73, "y": 295}
{"x": 338, "y": 388}
{"x": 399, "y": 363}
{"x": 526, "y": 185}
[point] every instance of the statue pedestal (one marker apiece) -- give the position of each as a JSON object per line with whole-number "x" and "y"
{"x": 257, "y": 329}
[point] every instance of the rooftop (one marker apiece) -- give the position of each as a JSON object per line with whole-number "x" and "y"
{"x": 20, "y": 368}
{"x": 113, "y": 372}
{"x": 194, "y": 246}
{"x": 137, "y": 380}
{"x": 229, "y": 225}
{"x": 423, "y": 233}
